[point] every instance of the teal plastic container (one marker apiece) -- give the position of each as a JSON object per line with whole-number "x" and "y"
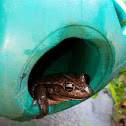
{"x": 87, "y": 36}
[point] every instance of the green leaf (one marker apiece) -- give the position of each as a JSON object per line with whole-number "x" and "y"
{"x": 95, "y": 96}
{"x": 123, "y": 23}
{"x": 113, "y": 92}
{"x": 82, "y": 119}
{"x": 108, "y": 101}
{"x": 119, "y": 85}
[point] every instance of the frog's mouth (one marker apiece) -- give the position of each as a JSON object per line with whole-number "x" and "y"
{"x": 73, "y": 95}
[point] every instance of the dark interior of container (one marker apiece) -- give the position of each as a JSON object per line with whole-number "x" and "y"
{"x": 71, "y": 55}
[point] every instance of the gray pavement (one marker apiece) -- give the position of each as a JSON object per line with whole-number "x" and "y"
{"x": 95, "y": 112}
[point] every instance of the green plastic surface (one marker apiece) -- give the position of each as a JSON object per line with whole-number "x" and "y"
{"x": 61, "y": 36}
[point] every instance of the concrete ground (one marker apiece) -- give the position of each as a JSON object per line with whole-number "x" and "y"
{"x": 95, "y": 112}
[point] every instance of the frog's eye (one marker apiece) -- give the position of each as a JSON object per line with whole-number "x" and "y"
{"x": 69, "y": 87}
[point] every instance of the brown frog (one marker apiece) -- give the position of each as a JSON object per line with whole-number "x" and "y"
{"x": 60, "y": 87}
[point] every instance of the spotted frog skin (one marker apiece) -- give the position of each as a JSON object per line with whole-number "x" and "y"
{"x": 60, "y": 87}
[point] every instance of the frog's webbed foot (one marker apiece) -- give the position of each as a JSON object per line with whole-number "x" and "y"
{"x": 41, "y": 115}
{"x": 43, "y": 112}
{"x": 40, "y": 98}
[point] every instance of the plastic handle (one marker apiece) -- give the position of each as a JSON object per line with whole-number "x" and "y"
{"x": 120, "y": 8}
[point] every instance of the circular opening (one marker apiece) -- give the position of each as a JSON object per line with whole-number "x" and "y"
{"x": 72, "y": 55}
{"x": 74, "y": 49}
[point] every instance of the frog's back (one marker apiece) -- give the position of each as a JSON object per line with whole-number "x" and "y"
{"x": 52, "y": 79}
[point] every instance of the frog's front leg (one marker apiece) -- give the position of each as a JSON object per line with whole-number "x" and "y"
{"x": 40, "y": 97}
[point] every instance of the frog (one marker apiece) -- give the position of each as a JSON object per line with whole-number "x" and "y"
{"x": 59, "y": 87}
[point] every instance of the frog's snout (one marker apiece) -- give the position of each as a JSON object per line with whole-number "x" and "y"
{"x": 87, "y": 89}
